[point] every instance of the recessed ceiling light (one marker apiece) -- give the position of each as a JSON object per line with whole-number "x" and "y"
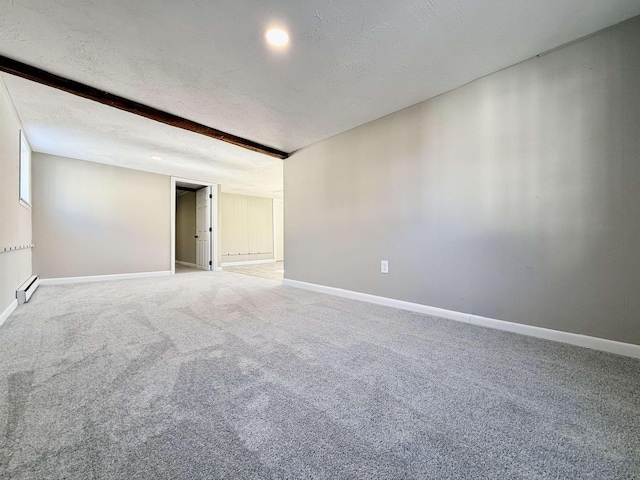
{"x": 155, "y": 157}
{"x": 277, "y": 37}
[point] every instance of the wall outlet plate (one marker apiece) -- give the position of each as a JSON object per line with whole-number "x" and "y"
{"x": 384, "y": 266}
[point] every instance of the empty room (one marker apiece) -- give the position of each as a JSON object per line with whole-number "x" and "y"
{"x": 316, "y": 239}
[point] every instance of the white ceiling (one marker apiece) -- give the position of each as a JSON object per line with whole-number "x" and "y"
{"x": 348, "y": 63}
{"x": 63, "y": 124}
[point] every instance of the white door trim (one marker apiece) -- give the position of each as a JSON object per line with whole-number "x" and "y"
{"x": 214, "y": 220}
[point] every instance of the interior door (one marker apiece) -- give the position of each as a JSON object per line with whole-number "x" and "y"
{"x": 203, "y": 228}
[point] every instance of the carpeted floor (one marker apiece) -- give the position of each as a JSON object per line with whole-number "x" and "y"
{"x": 220, "y": 375}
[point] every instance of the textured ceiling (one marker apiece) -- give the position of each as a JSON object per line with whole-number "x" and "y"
{"x": 348, "y": 63}
{"x": 63, "y": 124}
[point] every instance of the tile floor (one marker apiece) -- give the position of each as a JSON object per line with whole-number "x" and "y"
{"x": 269, "y": 271}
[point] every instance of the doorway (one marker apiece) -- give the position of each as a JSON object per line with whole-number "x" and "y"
{"x": 193, "y": 225}
{"x": 186, "y": 213}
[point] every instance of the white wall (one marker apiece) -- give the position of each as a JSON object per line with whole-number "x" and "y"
{"x": 278, "y": 226}
{"x": 15, "y": 219}
{"x": 516, "y": 197}
{"x": 94, "y": 219}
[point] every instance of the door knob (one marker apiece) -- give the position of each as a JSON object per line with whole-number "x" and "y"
{"x": 195, "y": 236}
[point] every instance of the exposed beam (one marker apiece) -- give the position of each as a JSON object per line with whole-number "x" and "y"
{"x": 43, "y": 77}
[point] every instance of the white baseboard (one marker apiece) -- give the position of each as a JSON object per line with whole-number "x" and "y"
{"x": 8, "y": 311}
{"x": 187, "y": 264}
{"x": 101, "y": 278}
{"x": 248, "y": 262}
{"x": 388, "y": 302}
{"x": 595, "y": 343}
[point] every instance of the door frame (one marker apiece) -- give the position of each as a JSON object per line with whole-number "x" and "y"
{"x": 214, "y": 220}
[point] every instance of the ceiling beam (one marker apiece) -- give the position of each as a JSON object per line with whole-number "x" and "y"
{"x": 43, "y": 77}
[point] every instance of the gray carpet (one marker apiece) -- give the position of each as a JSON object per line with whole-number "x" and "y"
{"x": 228, "y": 376}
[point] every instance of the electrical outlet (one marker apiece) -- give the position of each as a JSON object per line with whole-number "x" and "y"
{"x": 384, "y": 266}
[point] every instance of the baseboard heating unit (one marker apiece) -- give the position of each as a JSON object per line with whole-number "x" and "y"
{"x": 23, "y": 294}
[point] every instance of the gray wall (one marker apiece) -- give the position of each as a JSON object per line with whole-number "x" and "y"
{"x": 15, "y": 219}
{"x": 186, "y": 228}
{"x": 515, "y": 197}
{"x": 93, "y": 219}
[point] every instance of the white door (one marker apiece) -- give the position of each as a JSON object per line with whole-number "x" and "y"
{"x": 203, "y": 228}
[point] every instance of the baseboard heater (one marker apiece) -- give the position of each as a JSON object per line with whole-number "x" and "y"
{"x": 23, "y": 294}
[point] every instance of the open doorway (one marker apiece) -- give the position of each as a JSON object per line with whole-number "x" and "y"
{"x": 186, "y": 212}
{"x": 251, "y": 231}
{"x": 193, "y": 226}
